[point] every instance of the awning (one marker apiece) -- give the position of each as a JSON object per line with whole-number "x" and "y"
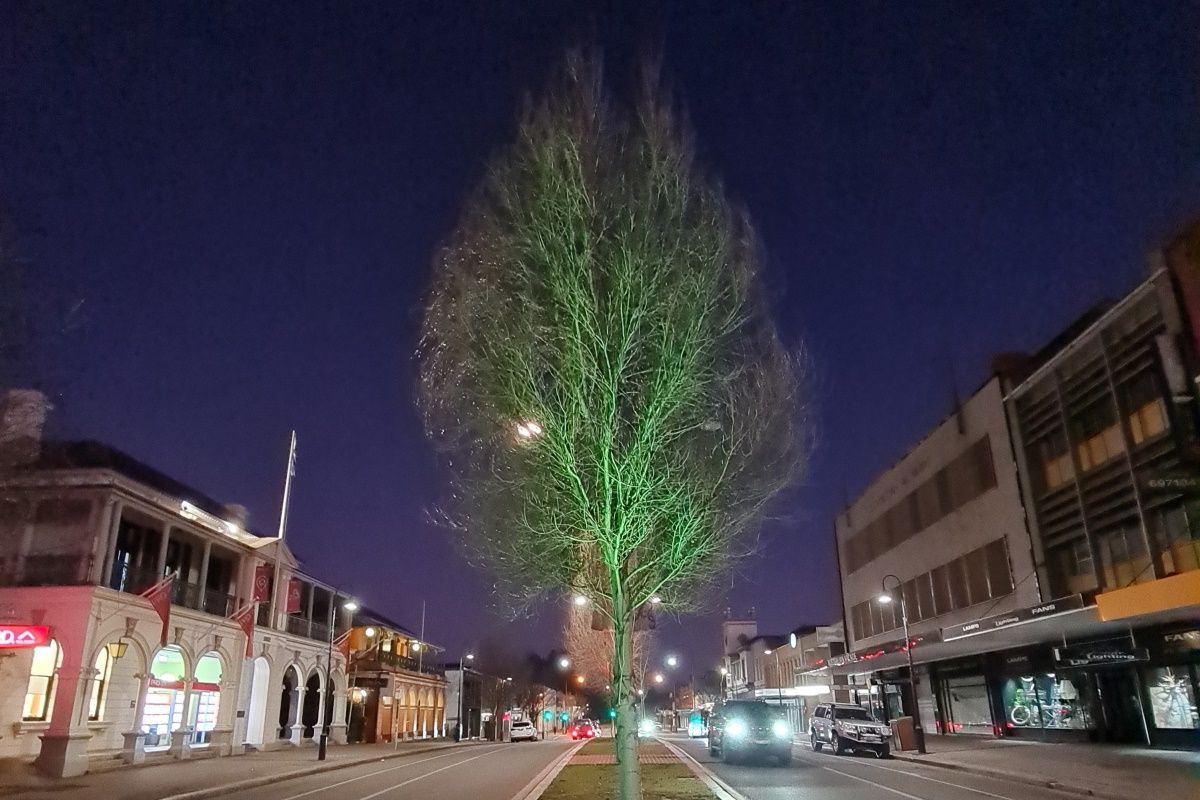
{"x": 1057, "y": 629}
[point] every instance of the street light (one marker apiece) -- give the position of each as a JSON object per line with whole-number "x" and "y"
{"x": 778, "y": 673}
{"x": 658, "y": 677}
{"x": 580, "y": 600}
{"x": 462, "y": 689}
{"x": 564, "y": 663}
{"x": 672, "y": 661}
{"x": 886, "y": 598}
{"x": 323, "y": 743}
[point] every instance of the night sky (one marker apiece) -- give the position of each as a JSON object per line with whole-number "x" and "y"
{"x": 230, "y": 210}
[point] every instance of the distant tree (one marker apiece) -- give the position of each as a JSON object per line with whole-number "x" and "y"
{"x": 599, "y": 369}
{"x": 591, "y": 651}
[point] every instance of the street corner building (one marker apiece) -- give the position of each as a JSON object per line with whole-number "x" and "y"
{"x": 142, "y": 621}
{"x": 1043, "y": 541}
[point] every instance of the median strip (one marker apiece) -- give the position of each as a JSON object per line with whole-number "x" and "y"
{"x": 591, "y": 773}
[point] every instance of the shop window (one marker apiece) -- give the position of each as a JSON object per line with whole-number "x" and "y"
{"x": 1099, "y": 436}
{"x": 1172, "y": 698}
{"x": 1123, "y": 557}
{"x": 163, "y": 710}
{"x": 1147, "y": 411}
{"x": 967, "y": 708}
{"x": 206, "y": 698}
{"x": 1044, "y": 701}
{"x": 998, "y": 572}
{"x": 39, "y": 693}
{"x": 103, "y": 673}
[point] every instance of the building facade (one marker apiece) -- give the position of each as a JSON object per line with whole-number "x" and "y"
{"x": 397, "y": 688}
{"x": 789, "y": 671}
{"x": 84, "y": 531}
{"x": 1043, "y": 540}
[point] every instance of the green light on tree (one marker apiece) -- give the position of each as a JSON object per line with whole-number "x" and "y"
{"x": 599, "y": 370}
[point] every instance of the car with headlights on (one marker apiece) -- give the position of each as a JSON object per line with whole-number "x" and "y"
{"x": 740, "y": 728}
{"x": 847, "y": 728}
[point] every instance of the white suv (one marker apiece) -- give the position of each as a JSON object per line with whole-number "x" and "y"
{"x": 845, "y": 727}
{"x": 523, "y": 729}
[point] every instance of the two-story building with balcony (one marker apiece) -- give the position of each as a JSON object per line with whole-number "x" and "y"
{"x": 397, "y": 685}
{"x": 84, "y": 531}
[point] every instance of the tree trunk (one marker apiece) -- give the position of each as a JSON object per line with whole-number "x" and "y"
{"x": 629, "y": 773}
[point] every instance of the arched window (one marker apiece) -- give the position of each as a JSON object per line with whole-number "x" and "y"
{"x": 103, "y": 667}
{"x": 39, "y": 696}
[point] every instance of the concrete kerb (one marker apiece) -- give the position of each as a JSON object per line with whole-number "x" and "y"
{"x": 316, "y": 769}
{"x": 536, "y": 787}
{"x": 1015, "y": 777}
{"x": 719, "y": 788}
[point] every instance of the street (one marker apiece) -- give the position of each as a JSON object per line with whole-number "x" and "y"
{"x": 478, "y": 772}
{"x": 488, "y": 772}
{"x": 830, "y": 777}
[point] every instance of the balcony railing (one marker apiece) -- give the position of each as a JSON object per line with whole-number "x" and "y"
{"x": 396, "y": 661}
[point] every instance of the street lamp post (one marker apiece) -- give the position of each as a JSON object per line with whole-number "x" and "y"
{"x": 563, "y": 664}
{"x": 886, "y": 598}
{"x": 778, "y": 673}
{"x": 462, "y": 689}
{"x": 323, "y": 743}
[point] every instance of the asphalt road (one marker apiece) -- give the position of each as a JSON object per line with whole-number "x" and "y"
{"x": 487, "y": 772}
{"x": 828, "y": 777}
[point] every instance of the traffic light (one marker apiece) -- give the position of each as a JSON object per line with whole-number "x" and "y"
{"x": 612, "y": 713}
{"x": 547, "y": 715}
{"x": 565, "y": 717}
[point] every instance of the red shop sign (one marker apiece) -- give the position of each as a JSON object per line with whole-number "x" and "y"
{"x": 15, "y": 636}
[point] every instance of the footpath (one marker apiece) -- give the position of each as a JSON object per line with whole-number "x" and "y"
{"x": 207, "y": 777}
{"x": 1112, "y": 772}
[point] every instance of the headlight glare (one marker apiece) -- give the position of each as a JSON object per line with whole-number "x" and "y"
{"x": 735, "y": 729}
{"x": 780, "y": 729}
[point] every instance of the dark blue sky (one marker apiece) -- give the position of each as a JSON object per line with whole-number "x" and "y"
{"x": 245, "y": 201}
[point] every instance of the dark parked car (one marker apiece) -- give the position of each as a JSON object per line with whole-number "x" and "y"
{"x": 749, "y": 727}
{"x": 846, "y": 727}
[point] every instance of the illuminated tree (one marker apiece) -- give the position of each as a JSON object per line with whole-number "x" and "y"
{"x": 599, "y": 370}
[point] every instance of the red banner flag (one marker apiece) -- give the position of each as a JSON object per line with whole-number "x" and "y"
{"x": 159, "y": 596}
{"x": 262, "y": 583}
{"x": 293, "y": 596}
{"x": 245, "y": 620}
{"x": 343, "y": 645}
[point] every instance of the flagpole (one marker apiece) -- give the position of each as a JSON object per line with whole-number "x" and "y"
{"x": 283, "y": 517}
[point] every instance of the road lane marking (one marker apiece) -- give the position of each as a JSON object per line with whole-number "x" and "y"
{"x": 368, "y": 775}
{"x": 873, "y": 783}
{"x": 720, "y": 788}
{"x": 937, "y": 780}
{"x": 536, "y": 787}
{"x": 426, "y": 775}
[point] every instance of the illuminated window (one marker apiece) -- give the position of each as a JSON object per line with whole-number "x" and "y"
{"x": 1148, "y": 415}
{"x": 39, "y": 696}
{"x": 1057, "y": 468}
{"x": 1099, "y": 435}
{"x": 103, "y": 666}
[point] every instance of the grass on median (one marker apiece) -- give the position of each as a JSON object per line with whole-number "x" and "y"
{"x": 599, "y": 782}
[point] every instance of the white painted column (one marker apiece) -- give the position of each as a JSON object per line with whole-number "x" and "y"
{"x": 101, "y": 533}
{"x": 161, "y": 564}
{"x": 204, "y": 579}
{"x": 110, "y": 550}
